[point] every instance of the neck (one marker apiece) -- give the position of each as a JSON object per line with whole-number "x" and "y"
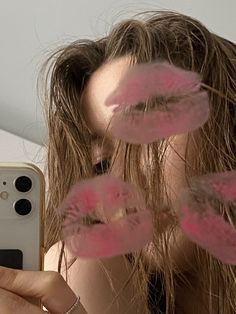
{"x": 189, "y": 296}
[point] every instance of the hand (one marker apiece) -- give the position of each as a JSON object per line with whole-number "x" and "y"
{"x": 49, "y": 286}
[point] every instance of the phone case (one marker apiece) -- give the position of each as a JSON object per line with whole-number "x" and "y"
{"x": 21, "y": 235}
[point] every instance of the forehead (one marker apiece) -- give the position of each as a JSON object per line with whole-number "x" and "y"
{"x": 99, "y": 86}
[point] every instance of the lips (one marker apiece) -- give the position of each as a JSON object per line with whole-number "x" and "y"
{"x": 145, "y": 81}
{"x": 148, "y": 80}
{"x": 181, "y": 117}
{"x": 219, "y": 185}
{"x": 199, "y": 219}
{"x": 211, "y": 232}
{"x": 104, "y": 217}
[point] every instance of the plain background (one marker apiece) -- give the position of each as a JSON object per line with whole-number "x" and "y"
{"x": 31, "y": 29}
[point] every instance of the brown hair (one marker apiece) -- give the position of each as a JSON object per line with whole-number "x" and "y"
{"x": 184, "y": 42}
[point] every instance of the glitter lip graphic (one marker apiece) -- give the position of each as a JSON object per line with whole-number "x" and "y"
{"x": 145, "y": 81}
{"x": 199, "y": 217}
{"x": 105, "y": 217}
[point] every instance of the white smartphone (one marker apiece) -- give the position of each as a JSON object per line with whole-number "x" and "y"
{"x": 22, "y": 191}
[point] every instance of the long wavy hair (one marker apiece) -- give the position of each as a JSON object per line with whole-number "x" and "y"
{"x": 150, "y": 36}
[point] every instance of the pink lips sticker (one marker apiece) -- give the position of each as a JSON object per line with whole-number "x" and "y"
{"x": 219, "y": 185}
{"x": 148, "y": 80}
{"x": 199, "y": 220}
{"x": 158, "y": 79}
{"x": 181, "y": 117}
{"x": 211, "y": 232}
{"x": 104, "y": 217}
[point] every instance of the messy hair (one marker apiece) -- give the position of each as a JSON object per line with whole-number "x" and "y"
{"x": 186, "y": 43}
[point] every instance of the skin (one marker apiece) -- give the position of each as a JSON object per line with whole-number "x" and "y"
{"x": 17, "y": 286}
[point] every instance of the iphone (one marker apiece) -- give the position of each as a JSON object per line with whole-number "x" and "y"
{"x": 22, "y": 191}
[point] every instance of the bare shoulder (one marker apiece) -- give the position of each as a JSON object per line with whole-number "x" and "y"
{"x": 97, "y": 282}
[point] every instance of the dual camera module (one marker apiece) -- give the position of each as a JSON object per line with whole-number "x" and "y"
{"x": 23, "y": 206}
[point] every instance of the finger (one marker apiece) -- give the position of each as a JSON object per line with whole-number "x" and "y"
{"x": 12, "y": 303}
{"x": 48, "y": 286}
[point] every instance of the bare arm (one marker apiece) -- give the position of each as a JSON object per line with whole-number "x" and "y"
{"x": 98, "y": 282}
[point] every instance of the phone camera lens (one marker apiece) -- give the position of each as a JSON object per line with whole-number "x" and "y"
{"x": 23, "y": 184}
{"x": 23, "y": 207}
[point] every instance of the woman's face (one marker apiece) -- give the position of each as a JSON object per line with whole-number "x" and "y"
{"x": 100, "y": 85}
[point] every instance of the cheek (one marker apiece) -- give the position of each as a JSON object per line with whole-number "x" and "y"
{"x": 98, "y": 115}
{"x": 174, "y": 169}
{"x": 174, "y": 172}
{"x": 104, "y": 115}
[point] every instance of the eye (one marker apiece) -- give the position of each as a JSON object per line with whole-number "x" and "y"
{"x": 101, "y": 167}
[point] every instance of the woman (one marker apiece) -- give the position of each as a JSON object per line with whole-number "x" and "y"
{"x": 172, "y": 274}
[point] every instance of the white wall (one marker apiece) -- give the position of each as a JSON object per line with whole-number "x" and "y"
{"x": 31, "y": 28}
{"x": 17, "y": 149}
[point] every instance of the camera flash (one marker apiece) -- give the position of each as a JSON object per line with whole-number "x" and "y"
{"x": 4, "y": 195}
